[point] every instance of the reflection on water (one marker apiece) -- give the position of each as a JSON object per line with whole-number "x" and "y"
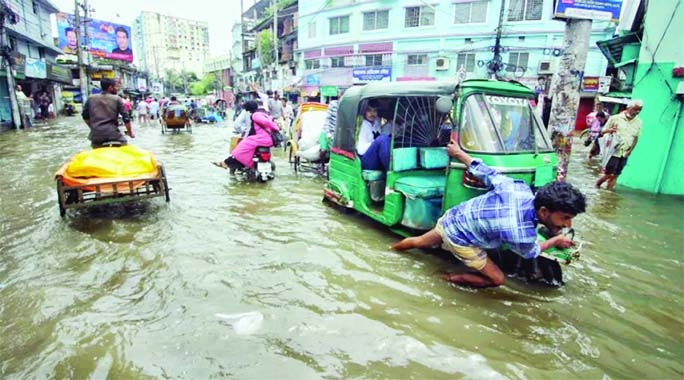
{"x": 237, "y": 280}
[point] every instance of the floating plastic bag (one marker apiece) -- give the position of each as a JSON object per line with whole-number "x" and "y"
{"x": 110, "y": 162}
{"x": 243, "y": 323}
{"x": 609, "y": 144}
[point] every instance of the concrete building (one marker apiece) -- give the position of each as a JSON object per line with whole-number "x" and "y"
{"x": 221, "y": 68}
{"x": 648, "y": 58}
{"x": 164, "y": 43}
{"x": 30, "y": 60}
{"x": 342, "y": 43}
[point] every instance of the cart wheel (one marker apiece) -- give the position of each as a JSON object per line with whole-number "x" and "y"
{"x": 60, "y": 200}
{"x": 166, "y": 184}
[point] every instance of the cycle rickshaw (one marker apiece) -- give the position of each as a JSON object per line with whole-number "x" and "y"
{"x": 176, "y": 118}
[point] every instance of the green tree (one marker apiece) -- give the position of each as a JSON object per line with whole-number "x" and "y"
{"x": 265, "y": 39}
{"x": 203, "y": 86}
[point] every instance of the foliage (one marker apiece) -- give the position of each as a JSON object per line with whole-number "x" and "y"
{"x": 201, "y": 87}
{"x": 282, "y": 4}
{"x": 265, "y": 41}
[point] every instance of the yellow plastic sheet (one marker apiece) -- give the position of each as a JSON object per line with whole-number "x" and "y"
{"x": 125, "y": 161}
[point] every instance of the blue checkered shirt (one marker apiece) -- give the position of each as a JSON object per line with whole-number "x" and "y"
{"x": 504, "y": 215}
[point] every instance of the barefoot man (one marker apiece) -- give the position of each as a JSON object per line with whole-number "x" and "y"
{"x": 507, "y": 214}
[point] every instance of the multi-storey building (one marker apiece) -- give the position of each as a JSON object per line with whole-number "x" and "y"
{"x": 221, "y": 67}
{"x": 164, "y": 43}
{"x": 348, "y": 42}
{"x": 27, "y": 39}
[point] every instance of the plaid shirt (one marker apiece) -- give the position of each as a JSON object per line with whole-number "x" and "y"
{"x": 504, "y": 215}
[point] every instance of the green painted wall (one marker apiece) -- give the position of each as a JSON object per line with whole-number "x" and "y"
{"x": 657, "y": 163}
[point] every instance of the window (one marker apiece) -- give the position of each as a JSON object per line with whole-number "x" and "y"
{"x": 35, "y": 7}
{"x": 525, "y": 10}
{"x": 498, "y": 124}
{"x": 516, "y": 60}
{"x": 417, "y": 59}
{"x": 467, "y": 61}
{"x": 339, "y": 25}
{"x": 471, "y": 12}
{"x": 375, "y": 20}
{"x": 337, "y": 62}
{"x": 312, "y": 29}
{"x": 374, "y": 60}
{"x": 310, "y": 64}
{"x": 419, "y": 16}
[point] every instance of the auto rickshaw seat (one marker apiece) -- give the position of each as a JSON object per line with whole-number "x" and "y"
{"x": 421, "y": 186}
{"x": 373, "y": 175}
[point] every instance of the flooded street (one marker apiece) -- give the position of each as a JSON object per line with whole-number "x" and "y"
{"x": 260, "y": 281}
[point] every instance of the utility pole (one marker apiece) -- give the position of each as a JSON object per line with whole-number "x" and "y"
{"x": 496, "y": 64}
{"x": 80, "y": 49}
{"x": 275, "y": 40}
{"x": 6, "y": 14}
{"x": 565, "y": 89}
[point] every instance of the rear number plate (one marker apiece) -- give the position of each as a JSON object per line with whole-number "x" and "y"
{"x": 264, "y": 167}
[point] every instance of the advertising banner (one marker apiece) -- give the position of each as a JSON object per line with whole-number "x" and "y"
{"x": 603, "y": 10}
{"x": 105, "y": 39}
{"x": 372, "y": 73}
{"x": 36, "y": 68}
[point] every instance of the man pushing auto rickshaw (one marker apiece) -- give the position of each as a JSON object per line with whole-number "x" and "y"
{"x": 507, "y": 214}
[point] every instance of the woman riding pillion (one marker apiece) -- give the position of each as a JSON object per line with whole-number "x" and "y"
{"x": 259, "y": 135}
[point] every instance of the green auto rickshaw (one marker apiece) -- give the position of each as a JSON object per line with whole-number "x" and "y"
{"x": 492, "y": 120}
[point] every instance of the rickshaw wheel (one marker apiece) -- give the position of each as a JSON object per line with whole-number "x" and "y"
{"x": 62, "y": 210}
{"x": 162, "y": 173}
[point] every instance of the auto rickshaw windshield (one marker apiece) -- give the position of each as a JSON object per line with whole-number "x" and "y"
{"x": 501, "y": 124}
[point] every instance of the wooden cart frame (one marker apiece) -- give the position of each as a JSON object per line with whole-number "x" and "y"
{"x": 108, "y": 192}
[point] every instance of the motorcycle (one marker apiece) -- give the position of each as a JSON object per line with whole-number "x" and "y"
{"x": 263, "y": 169}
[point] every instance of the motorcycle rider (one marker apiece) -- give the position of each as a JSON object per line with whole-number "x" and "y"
{"x": 259, "y": 135}
{"x": 101, "y": 113}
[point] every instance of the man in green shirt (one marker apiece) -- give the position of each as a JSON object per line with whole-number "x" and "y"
{"x": 626, "y": 126}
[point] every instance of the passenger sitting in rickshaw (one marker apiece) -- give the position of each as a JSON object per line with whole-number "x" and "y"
{"x": 369, "y": 132}
{"x": 259, "y": 135}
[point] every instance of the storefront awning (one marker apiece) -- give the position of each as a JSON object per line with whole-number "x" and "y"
{"x": 612, "y": 49}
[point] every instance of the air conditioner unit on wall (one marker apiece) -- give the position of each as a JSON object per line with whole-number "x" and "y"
{"x": 546, "y": 67}
{"x": 442, "y": 64}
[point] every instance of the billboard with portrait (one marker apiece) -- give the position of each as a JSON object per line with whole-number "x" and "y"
{"x": 105, "y": 39}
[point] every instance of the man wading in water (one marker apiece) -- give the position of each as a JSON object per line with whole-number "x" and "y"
{"x": 507, "y": 214}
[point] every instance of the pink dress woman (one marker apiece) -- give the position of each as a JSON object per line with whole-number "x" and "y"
{"x": 263, "y": 126}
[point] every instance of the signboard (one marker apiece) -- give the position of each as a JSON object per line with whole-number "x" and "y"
{"x": 312, "y": 80}
{"x": 59, "y": 73}
{"x": 329, "y": 91}
{"x": 372, "y": 73}
{"x": 590, "y": 84}
{"x": 109, "y": 74}
{"x": 157, "y": 87}
{"x": 18, "y": 65}
{"x": 141, "y": 84}
{"x": 604, "y": 84}
{"x": 599, "y": 10}
{"x": 105, "y": 39}
{"x": 36, "y": 68}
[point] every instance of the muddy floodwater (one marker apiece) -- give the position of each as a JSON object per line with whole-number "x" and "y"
{"x": 233, "y": 280}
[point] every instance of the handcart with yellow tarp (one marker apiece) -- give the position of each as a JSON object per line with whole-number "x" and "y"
{"x": 110, "y": 175}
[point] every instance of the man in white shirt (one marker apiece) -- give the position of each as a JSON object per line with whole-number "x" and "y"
{"x": 263, "y": 96}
